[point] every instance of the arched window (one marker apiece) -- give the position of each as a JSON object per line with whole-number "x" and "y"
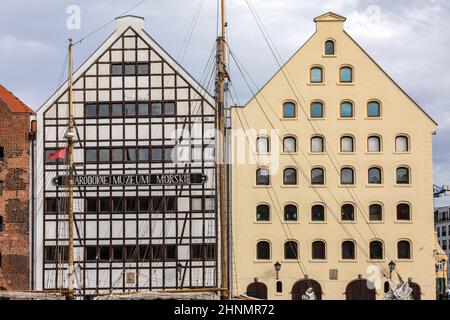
{"x": 374, "y": 144}
{"x": 290, "y": 177}
{"x": 291, "y": 250}
{"x": 262, "y": 145}
{"x": 403, "y": 212}
{"x": 257, "y": 290}
{"x": 318, "y": 250}
{"x": 375, "y": 212}
{"x": 404, "y": 250}
{"x": 1, "y": 223}
{"x": 317, "y": 145}
{"x": 317, "y": 176}
{"x": 376, "y": 250}
{"x": 263, "y": 212}
{"x": 373, "y": 109}
{"x": 348, "y": 250}
{"x": 346, "y": 110}
{"x": 279, "y": 287}
{"x": 375, "y": 176}
{"x": 348, "y": 212}
{"x": 289, "y": 145}
{"x": 346, "y": 75}
{"x": 318, "y": 213}
{"x": 316, "y": 75}
{"x": 263, "y": 177}
{"x": 317, "y": 111}
{"x": 290, "y": 213}
{"x": 289, "y": 110}
{"x": 347, "y": 176}
{"x": 347, "y": 144}
{"x": 263, "y": 250}
{"x": 401, "y": 144}
{"x": 403, "y": 175}
{"x": 329, "y": 48}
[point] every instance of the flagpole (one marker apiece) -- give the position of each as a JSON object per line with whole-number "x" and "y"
{"x": 69, "y": 137}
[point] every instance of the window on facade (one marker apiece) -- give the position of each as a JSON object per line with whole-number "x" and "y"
{"x": 346, "y": 74}
{"x": 116, "y": 69}
{"x": 317, "y": 176}
{"x": 90, "y": 110}
{"x": 157, "y": 154}
{"x": 404, "y": 250}
{"x": 90, "y": 253}
{"x": 317, "y": 111}
{"x": 1, "y": 188}
{"x": 403, "y": 175}
{"x": 143, "y": 69}
{"x": 203, "y": 252}
{"x": 318, "y": 213}
{"x": 1, "y": 224}
{"x": 289, "y": 145}
{"x": 143, "y": 109}
{"x": 316, "y": 75}
{"x": 169, "y": 155}
{"x": 317, "y": 145}
{"x": 118, "y": 254}
{"x": 329, "y": 48}
{"x": 347, "y": 176}
{"x": 290, "y": 213}
{"x": 375, "y": 176}
{"x": 144, "y": 204}
{"x": 401, "y": 144}
{"x": 103, "y": 155}
{"x": 91, "y": 155}
{"x": 144, "y": 155}
{"x": 117, "y": 204}
{"x": 289, "y": 110}
{"x": 169, "y": 108}
{"x": 103, "y": 110}
{"x": 130, "y": 154}
{"x": 263, "y": 250}
{"x": 130, "y": 69}
{"x": 347, "y": 144}
{"x": 444, "y": 231}
{"x": 374, "y": 144}
{"x": 375, "y": 212}
{"x": 130, "y": 110}
{"x": 117, "y": 154}
{"x": 346, "y": 110}
{"x": 290, "y": 177}
{"x": 279, "y": 287}
{"x": 117, "y": 110}
{"x": 373, "y": 109}
{"x": 2, "y": 153}
{"x": 53, "y": 254}
{"x": 262, "y": 145}
{"x": 262, "y": 177}
{"x": 348, "y": 212}
{"x": 376, "y": 250}
{"x": 263, "y": 213}
{"x": 403, "y": 212}
{"x": 318, "y": 250}
{"x": 348, "y": 250}
{"x": 156, "y": 109}
{"x": 291, "y": 250}
{"x": 104, "y": 205}
{"x": 91, "y": 204}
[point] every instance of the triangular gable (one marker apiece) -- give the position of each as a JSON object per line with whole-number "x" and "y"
{"x": 107, "y": 44}
{"x": 330, "y": 16}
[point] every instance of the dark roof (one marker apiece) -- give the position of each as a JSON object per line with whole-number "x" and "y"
{"x": 12, "y": 102}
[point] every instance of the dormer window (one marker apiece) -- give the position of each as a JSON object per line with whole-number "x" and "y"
{"x": 329, "y": 48}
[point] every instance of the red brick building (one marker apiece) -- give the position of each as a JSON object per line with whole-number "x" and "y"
{"x": 15, "y": 126}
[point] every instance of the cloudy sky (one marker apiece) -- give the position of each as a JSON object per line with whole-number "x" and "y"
{"x": 408, "y": 38}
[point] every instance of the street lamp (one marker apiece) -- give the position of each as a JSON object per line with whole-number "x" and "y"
{"x": 277, "y": 268}
{"x": 392, "y": 266}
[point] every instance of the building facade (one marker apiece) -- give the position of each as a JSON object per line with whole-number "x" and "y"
{"x": 335, "y": 194}
{"x": 442, "y": 220}
{"x": 145, "y": 180}
{"x": 15, "y": 122}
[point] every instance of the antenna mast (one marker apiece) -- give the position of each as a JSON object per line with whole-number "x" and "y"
{"x": 221, "y": 76}
{"x": 70, "y": 138}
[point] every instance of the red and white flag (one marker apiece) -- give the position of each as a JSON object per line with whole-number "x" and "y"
{"x": 59, "y": 154}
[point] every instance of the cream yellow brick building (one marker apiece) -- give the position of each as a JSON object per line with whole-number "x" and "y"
{"x": 343, "y": 116}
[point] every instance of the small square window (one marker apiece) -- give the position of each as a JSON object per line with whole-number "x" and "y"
{"x": 169, "y": 108}
{"x": 317, "y": 110}
{"x": 156, "y": 109}
{"x": 130, "y": 69}
{"x": 117, "y": 110}
{"x": 103, "y": 155}
{"x": 91, "y": 155}
{"x": 373, "y": 110}
{"x": 168, "y": 154}
{"x": 117, "y": 155}
{"x": 90, "y": 111}
{"x": 157, "y": 154}
{"x": 143, "y": 155}
{"x": 289, "y": 110}
{"x": 130, "y": 110}
{"x": 316, "y": 75}
{"x": 103, "y": 110}
{"x": 346, "y": 110}
{"x": 143, "y": 109}
{"x": 116, "y": 70}
{"x": 131, "y": 154}
{"x": 143, "y": 69}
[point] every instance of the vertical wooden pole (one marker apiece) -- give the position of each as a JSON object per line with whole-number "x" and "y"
{"x": 70, "y": 136}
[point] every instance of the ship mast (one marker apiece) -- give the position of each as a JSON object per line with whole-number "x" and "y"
{"x": 70, "y": 140}
{"x": 221, "y": 75}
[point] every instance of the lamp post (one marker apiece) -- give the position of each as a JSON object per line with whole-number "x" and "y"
{"x": 392, "y": 266}
{"x": 277, "y": 267}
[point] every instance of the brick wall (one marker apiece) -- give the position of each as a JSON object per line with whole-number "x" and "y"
{"x": 14, "y": 204}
